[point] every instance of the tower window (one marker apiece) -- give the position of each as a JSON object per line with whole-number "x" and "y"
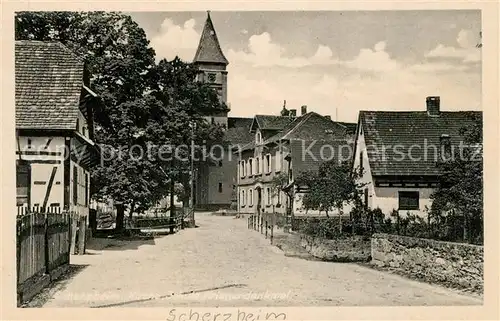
{"x": 220, "y": 187}
{"x": 211, "y": 77}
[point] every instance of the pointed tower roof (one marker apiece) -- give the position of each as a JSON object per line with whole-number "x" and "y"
{"x": 209, "y": 48}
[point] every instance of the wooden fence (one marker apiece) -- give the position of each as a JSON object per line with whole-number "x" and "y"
{"x": 177, "y": 222}
{"x": 43, "y": 242}
{"x": 266, "y": 223}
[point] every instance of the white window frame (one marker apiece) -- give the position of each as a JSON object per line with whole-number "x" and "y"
{"x": 277, "y": 161}
{"x": 269, "y": 196}
{"x": 267, "y": 162}
{"x": 258, "y": 137}
{"x": 242, "y": 168}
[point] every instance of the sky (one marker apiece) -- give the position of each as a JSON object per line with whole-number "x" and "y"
{"x": 335, "y": 62}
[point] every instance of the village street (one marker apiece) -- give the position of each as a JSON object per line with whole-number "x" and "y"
{"x": 222, "y": 263}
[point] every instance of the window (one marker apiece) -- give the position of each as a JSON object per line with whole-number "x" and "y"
{"x": 268, "y": 164}
{"x": 257, "y": 165}
{"x": 409, "y": 200}
{"x": 269, "y": 195}
{"x": 220, "y": 187}
{"x": 242, "y": 198}
{"x": 242, "y": 168}
{"x": 23, "y": 183}
{"x": 211, "y": 77}
{"x": 220, "y": 164}
{"x": 445, "y": 147}
{"x": 29, "y": 142}
{"x": 258, "y": 137}
{"x": 278, "y": 196}
{"x": 250, "y": 166}
{"x": 361, "y": 163}
{"x": 75, "y": 185}
{"x": 250, "y": 197}
{"x": 212, "y": 120}
{"x": 277, "y": 161}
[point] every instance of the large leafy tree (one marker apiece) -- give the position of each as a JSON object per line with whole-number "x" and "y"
{"x": 145, "y": 105}
{"x": 331, "y": 187}
{"x": 460, "y": 192}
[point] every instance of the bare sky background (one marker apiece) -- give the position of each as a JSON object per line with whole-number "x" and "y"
{"x": 352, "y": 60}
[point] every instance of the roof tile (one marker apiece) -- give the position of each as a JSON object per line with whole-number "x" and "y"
{"x": 49, "y": 79}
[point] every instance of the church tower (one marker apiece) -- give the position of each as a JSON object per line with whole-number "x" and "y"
{"x": 212, "y": 64}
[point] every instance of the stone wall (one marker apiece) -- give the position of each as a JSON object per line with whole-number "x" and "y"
{"x": 346, "y": 249}
{"x": 452, "y": 264}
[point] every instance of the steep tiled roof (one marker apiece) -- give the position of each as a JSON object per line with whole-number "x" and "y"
{"x": 313, "y": 126}
{"x": 209, "y": 49}
{"x": 238, "y": 130}
{"x": 268, "y": 122}
{"x": 386, "y": 130}
{"x": 49, "y": 79}
{"x": 308, "y": 155}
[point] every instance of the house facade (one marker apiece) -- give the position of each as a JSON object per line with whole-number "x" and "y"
{"x": 399, "y": 153}
{"x": 283, "y": 147}
{"x": 54, "y": 128}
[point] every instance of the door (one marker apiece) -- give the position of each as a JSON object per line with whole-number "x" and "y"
{"x": 259, "y": 199}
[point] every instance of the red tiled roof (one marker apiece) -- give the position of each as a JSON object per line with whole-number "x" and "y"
{"x": 209, "y": 49}
{"x": 49, "y": 80}
{"x": 386, "y": 130}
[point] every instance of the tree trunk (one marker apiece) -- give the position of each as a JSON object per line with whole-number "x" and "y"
{"x": 352, "y": 224}
{"x": 132, "y": 207}
{"x": 120, "y": 215}
{"x": 172, "y": 206}
{"x": 466, "y": 234}
{"x": 340, "y": 220}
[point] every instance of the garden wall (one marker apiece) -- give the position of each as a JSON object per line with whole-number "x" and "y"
{"x": 452, "y": 264}
{"x": 343, "y": 249}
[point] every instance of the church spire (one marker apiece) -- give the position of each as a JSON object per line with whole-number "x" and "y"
{"x": 209, "y": 50}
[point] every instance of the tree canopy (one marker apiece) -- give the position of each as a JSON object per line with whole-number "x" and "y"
{"x": 460, "y": 189}
{"x": 145, "y": 105}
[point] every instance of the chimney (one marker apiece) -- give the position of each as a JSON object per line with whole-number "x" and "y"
{"x": 328, "y": 117}
{"x": 293, "y": 113}
{"x": 432, "y": 105}
{"x": 303, "y": 110}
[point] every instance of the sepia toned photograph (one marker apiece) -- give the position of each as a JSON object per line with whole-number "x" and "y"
{"x": 249, "y": 159}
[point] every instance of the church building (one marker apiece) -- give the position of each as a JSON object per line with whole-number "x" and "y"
{"x": 215, "y": 184}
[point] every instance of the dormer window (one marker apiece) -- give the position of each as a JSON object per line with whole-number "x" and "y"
{"x": 258, "y": 138}
{"x": 445, "y": 147}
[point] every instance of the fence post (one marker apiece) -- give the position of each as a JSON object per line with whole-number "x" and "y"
{"x": 18, "y": 244}
{"x": 272, "y": 227}
{"x": 266, "y": 222}
{"x": 46, "y": 245}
